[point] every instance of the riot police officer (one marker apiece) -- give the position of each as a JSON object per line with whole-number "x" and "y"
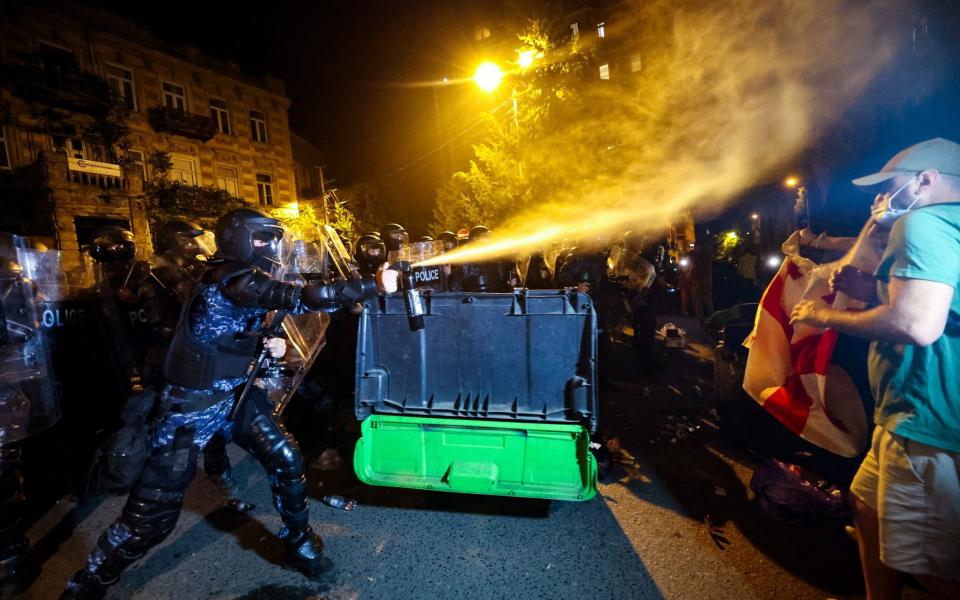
{"x": 481, "y": 276}
{"x": 449, "y": 240}
{"x": 369, "y": 253}
{"x": 394, "y": 236}
{"x": 27, "y": 402}
{"x": 119, "y": 276}
{"x": 206, "y": 368}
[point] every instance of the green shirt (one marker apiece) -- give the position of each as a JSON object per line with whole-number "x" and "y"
{"x": 918, "y": 388}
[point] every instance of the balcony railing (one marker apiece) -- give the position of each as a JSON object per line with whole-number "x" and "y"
{"x": 180, "y": 122}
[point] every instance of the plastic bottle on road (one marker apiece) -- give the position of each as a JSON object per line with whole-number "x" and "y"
{"x": 339, "y": 502}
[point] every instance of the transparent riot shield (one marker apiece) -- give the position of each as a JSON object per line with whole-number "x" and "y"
{"x": 433, "y": 277}
{"x": 28, "y": 401}
{"x": 302, "y": 263}
{"x": 340, "y": 258}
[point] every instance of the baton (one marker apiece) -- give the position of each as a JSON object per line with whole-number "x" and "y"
{"x": 261, "y": 358}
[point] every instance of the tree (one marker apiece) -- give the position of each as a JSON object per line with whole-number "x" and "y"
{"x": 514, "y": 167}
{"x": 168, "y": 200}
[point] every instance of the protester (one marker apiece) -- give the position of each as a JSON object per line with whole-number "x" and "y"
{"x": 906, "y": 495}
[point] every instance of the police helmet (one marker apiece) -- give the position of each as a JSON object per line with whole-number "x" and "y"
{"x": 112, "y": 244}
{"x": 370, "y": 252}
{"x": 249, "y": 236}
{"x": 449, "y": 239}
{"x": 479, "y": 232}
{"x": 425, "y": 238}
{"x": 10, "y": 269}
{"x": 173, "y": 233}
{"x": 394, "y": 236}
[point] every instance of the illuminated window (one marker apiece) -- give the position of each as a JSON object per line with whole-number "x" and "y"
{"x": 4, "y": 155}
{"x": 174, "y": 96}
{"x": 264, "y": 189}
{"x": 258, "y": 126}
{"x": 601, "y": 30}
{"x": 636, "y": 63}
{"x": 575, "y": 29}
{"x": 220, "y": 114}
{"x": 184, "y": 169}
{"x": 227, "y": 180}
{"x": 605, "y": 71}
{"x": 121, "y": 82}
{"x": 135, "y": 157}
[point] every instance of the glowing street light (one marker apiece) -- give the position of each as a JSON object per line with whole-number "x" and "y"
{"x": 488, "y": 76}
{"x": 526, "y": 58}
{"x": 791, "y": 182}
{"x": 754, "y": 216}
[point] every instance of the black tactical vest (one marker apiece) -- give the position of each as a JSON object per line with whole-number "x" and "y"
{"x": 192, "y": 363}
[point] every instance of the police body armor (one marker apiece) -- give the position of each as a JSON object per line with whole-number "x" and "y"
{"x": 192, "y": 363}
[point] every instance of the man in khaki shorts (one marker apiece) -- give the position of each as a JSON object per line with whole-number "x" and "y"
{"x": 906, "y": 495}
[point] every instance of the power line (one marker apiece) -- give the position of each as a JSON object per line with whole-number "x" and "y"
{"x": 476, "y": 123}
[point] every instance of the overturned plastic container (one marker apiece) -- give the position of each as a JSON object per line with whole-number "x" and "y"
{"x": 495, "y": 395}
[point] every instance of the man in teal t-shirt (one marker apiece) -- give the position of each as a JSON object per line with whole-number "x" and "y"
{"x": 906, "y": 495}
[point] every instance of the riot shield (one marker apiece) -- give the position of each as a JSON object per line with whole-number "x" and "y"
{"x": 337, "y": 251}
{"x": 433, "y": 277}
{"x": 302, "y": 262}
{"x": 28, "y": 401}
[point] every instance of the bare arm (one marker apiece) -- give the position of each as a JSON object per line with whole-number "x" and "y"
{"x": 916, "y": 314}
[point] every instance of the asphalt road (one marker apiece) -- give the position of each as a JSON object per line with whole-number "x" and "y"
{"x": 645, "y": 535}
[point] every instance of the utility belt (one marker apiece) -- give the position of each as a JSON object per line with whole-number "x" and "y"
{"x": 187, "y": 401}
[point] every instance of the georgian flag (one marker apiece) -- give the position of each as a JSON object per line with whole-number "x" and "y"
{"x": 789, "y": 369}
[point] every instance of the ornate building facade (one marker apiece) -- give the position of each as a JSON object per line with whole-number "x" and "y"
{"x": 92, "y": 107}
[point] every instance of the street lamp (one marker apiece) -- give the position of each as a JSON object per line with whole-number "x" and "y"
{"x": 488, "y": 76}
{"x": 791, "y": 182}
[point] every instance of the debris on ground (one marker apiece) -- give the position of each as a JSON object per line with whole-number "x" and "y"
{"x": 673, "y": 336}
{"x": 717, "y": 534}
{"x": 618, "y": 454}
{"x": 788, "y": 493}
{"x": 339, "y": 502}
{"x": 719, "y": 491}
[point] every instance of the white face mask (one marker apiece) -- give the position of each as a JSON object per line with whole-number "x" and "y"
{"x": 885, "y": 214}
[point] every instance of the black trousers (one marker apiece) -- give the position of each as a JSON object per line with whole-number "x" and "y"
{"x": 155, "y": 502}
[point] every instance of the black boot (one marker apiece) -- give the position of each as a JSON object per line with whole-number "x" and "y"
{"x": 84, "y": 585}
{"x": 305, "y": 552}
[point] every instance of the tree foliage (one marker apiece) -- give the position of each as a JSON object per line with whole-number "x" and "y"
{"x": 515, "y": 166}
{"x": 168, "y": 200}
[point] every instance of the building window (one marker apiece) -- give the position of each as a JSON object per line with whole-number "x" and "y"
{"x": 258, "y": 126}
{"x": 220, "y": 115}
{"x": 601, "y": 29}
{"x": 184, "y": 169}
{"x": 575, "y": 29}
{"x": 227, "y": 180}
{"x": 605, "y": 71}
{"x": 264, "y": 189}
{"x": 174, "y": 96}
{"x": 4, "y": 153}
{"x": 481, "y": 33}
{"x": 72, "y": 147}
{"x": 121, "y": 82}
{"x": 135, "y": 158}
{"x": 636, "y": 63}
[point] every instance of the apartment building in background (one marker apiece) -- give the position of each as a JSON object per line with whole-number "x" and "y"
{"x": 88, "y": 100}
